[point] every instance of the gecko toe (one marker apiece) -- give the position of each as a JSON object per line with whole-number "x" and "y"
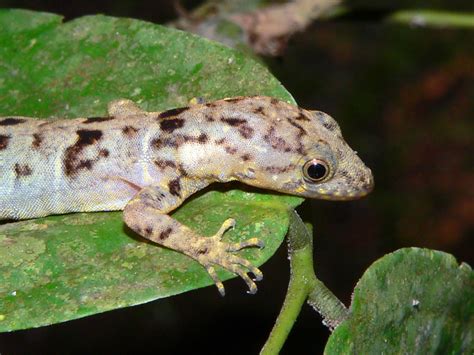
{"x": 249, "y": 243}
{"x": 236, "y": 269}
{"x": 212, "y": 273}
{"x": 258, "y": 275}
{"x": 228, "y": 224}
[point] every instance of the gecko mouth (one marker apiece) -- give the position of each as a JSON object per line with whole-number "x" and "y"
{"x": 345, "y": 195}
{"x": 347, "y": 192}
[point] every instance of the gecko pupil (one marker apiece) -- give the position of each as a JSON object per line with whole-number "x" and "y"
{"x": 315, "y": 170}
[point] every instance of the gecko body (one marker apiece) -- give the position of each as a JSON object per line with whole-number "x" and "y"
{"x": 148, "y": 163}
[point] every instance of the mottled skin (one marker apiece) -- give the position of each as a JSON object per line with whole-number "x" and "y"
{"x": 148, "y": 163}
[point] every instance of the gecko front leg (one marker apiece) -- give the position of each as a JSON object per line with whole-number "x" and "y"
{"x": 146, "y": 214}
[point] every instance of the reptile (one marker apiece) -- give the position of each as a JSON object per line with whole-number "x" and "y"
{"x": 148, "y": 163}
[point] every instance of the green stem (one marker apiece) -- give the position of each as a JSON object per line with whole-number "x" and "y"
{"x": 328, "y": 305}
{"x": 433, "y": 18}
{"x": 303, "y": 283}
{"x": 294, "y": 300}
{"x": 301, "y": 260}
{"x": 414, "y": 17}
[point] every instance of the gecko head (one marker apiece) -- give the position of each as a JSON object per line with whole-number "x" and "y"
{"x": 328, "y": 168}
{"x": 304, "y": 154}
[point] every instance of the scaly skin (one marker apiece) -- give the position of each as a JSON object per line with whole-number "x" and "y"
{"x": 148, "y": 163}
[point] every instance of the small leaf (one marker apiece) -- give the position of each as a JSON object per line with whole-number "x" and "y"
{"x": 65, "y": 267}
{"x": 413, "y": 301}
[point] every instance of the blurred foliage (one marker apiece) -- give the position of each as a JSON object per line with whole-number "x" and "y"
{"x": 412, "y": 4}
{"x": 437, "y": 163}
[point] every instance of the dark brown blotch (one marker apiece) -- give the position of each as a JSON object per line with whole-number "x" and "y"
{"x": 276, "y": 142}
{"x": 177, "y": 140}
{"x": 246, "y": 132}
{"x": 158, "y": 143}
{"x": 259, "y": 110}
{"x": 279, "y": 169}
{"x": 22, "y": 170}
{"x": 165, "y": 234}
{"x": 203, "y": 138}
{"x": 182, "y": 171}
{"x": 172, "y": 124}
{"x": 209, "y": 118}
{"x": 242, "y": 125}
{"x": 274, "y": 101}
{"x": 97, "y": 119}
{"x": 129, "y": 131}
{"x": 172, "y": 112}
{"x": 184, "y": 138}
{"x": 148, "y": 231}
{"x": 234, "y": 122}
{"x": 174, "y": 187}
{"x": 11, "y": 121}
{"x": 302, "y": 117}
{"x": 330, "y": 126}
{"x": 301, "y": 131}
{"x": 246, "y": 157}
{"x": 300, "y": 150}
{"x": 72, "y": 161}
{"x": 153, "y": 199}
{"x": 163, "y": 164}
{"x": 230, "y": 150}
{"x": 104, "y": 153}
{"x": 4, "y": 141}
{"x": 37, "y": 140}
{"x": 203, "y": 251}
{"x": 87, "y": 137}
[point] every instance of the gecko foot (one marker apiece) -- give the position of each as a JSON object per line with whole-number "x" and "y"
{"x": 215, "y": 252}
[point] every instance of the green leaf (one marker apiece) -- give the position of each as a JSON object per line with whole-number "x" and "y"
{"x": 413, "y": 301}
{"x": 65, "y": 267}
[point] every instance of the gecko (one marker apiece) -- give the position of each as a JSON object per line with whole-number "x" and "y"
{"x": 148, "y": 163}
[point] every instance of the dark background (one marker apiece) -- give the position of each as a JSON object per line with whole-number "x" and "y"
{"x": 404, "y": 98}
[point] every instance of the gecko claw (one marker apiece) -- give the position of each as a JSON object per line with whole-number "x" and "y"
{"x": 258, "y": 275}
{"x": 237, "y": 269}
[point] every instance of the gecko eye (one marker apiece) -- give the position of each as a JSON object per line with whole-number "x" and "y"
{"x": 315, "y": 170}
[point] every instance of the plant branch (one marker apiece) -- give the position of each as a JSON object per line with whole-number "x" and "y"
{"x": 303, "y": 284}
{"x": 267, "y": 28}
